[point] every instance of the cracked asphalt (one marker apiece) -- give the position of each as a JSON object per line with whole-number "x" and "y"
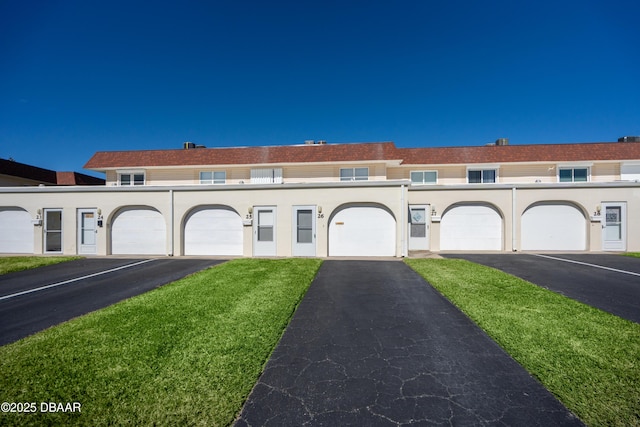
{"x": 373, "y": 344}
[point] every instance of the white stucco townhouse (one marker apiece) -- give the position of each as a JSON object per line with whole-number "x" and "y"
{"x": 318, "y": 199}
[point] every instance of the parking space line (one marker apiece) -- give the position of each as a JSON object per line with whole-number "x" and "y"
{"x": 587, "y": 264}
{"x": 74, "y": 280}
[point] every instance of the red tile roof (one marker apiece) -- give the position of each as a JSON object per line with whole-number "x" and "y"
{"x": 521, "y": 153}
{"x": 244, "y": 155}
{"x": 75, "y": 178}
{"x": 379, "y": 151}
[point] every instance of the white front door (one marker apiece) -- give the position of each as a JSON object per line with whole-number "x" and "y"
{"x": 418, "y": 228}
{"x": 304, "y": 231}
{"x": 87, "y": 231}
{"x": 264, "y": 231}
{"x": 614, "y": 226}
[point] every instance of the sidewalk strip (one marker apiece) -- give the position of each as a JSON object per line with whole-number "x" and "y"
{"x": 589, "y": 265}
{"x": 74, "y": 280}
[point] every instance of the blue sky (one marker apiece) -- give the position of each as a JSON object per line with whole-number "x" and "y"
{"x": 78, "y": 77}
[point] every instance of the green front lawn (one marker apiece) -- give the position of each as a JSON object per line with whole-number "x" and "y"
{"x": 10, "y": 264}
{"x": 188, "y": 353}
{"x": 588, "y": 358}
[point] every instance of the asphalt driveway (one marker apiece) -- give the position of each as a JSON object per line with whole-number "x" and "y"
{"x": 605, "y": 281}
{"x": 36, "y": 299}
{"x": 372, "y": 343}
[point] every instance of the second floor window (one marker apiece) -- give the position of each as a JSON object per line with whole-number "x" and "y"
{"x": 215, "y": 177}
{"x": 354, "y": 174}
{"x": 424, "y": 177}
{"x": 573, "y": 174}
{"x": 126, "y": 179}
{"x": 266, "y": 176}
{"x": 481, "y": 176}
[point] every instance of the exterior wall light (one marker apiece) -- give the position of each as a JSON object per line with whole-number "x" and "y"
{"x": 248, "y": 220}
{"x": 100, "y": 223}
{"x": 38, "y": 220}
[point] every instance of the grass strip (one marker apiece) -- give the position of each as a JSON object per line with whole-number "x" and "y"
{"x": 188, "y": 353}
{"x": 588, "y": 358}
{"x": 632, "y": 254}
{"x": 10, "y": 264}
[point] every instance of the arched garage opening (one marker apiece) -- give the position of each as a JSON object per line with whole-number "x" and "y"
{"x": 138, "y": 230}
{"x": 553, "y": 226}
{"x": 213, "y": 230}
{"x": 362, "y": 230}
{"x": 471, "y": 227}
{"x": 16, "y": 231}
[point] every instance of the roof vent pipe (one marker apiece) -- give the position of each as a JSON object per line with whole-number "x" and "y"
{"x": 502, "y": 141}
{"x": 189, "y": 145}
{"x": 629, "y": 139}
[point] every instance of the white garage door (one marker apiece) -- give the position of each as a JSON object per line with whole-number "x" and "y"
{"x": 471, "y": 228}
{"x": 362, "y": 231}
{"x": 213, "y": 231}
{"x": 553, "y": 227}
{"x": 139, "y": 231}
{"x": 16, "y": 231}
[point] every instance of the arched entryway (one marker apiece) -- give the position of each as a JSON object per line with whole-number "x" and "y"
{"x": 471, "y": 227}
{"x": 213, "y": 230}
{"x": 138, "y": 230}
{"x": 362, "y": 230}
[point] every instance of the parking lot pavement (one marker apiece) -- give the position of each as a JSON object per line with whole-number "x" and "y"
{"x": 372, "y": 343}
{"x": 605, "y": 281}
{"x": 36, "y": 299}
